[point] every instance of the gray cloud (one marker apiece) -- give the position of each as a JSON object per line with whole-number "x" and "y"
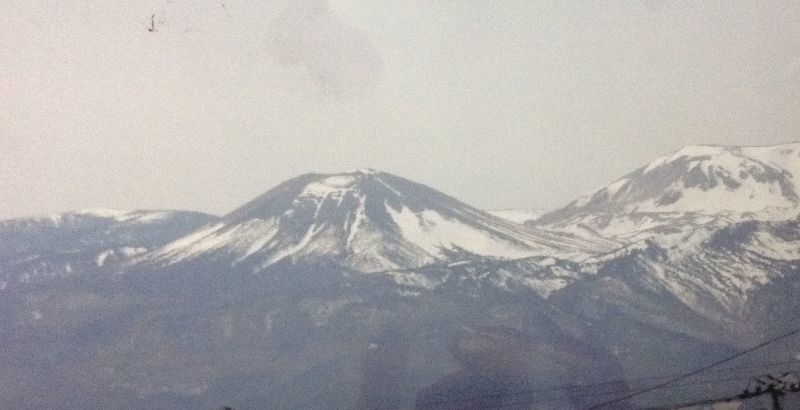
{"x": 339, "y": 58}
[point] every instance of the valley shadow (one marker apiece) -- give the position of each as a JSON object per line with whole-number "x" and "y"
{"x": 502, "y": 367}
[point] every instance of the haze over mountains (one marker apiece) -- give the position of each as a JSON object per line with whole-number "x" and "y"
{"x": 381, "y": 292}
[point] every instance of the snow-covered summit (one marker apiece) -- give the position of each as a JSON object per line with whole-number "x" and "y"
{"x": 707, "y": 179}
{"x": 700, "y": 183}
{"x": 368, "y": 221}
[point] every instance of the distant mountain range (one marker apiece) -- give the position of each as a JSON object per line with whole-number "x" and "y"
{"x": 382, "y": 293}
{"x": 80, "y": 242}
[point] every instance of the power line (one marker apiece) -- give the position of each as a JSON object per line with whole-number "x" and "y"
{"x": 774, "y": 389}
{"x": 588, "y": 394}
{"x": 697, "y": 371}
{"x": 562, "y": 387}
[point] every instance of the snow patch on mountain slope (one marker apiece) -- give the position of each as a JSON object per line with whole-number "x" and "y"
{"x": 259, "y": 244}
{"x": 100, "y": 259}
{"x": 785, "y": 157}
{"x": 688, "y": 151}
{"x": 542, "y": 276}
{"x": 333, "y": 185}
{"x": 196, "y": 242}
{"x": 241, "y": 241}
{"x": 319, "y": 240}
{"x": 118, "y": 253}
{"x": 753, "y": 198}
{"x": 434, "y": 233}
{"x": 120, "y": 215}
{"x": 773, "y": 247}
{"x": 544, "y": 285}
{"x": 517, "y": 215}
{"x": 413, "y": 280}
{"x": 355, "y": 225}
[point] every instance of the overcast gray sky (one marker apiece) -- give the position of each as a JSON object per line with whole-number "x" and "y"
{"x": 502, "y": 104}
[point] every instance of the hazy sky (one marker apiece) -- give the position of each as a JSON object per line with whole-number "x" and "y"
{"x": 499, "y": 103}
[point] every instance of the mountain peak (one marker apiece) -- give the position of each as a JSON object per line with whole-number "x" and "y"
{"x": 339, "y": 184}
{"x": 341, "y": 187}
{"x": 716, "y": 152}
{"x": 364, "y": 220}
{"x": 707, "y": 179}
{"x": 701, "y": 181}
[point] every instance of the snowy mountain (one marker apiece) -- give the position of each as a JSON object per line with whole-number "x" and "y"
{"x": 706, "y": 231}
{"x": 721, "y": 280}
{"x": 517, "y": 215}
{"x": 694, "y": 186}
{"x": 383, "y": 293}
{"x": 367, "y": 221}
{"x": 85, "y": 241}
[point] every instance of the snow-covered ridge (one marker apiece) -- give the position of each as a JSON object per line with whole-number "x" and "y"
{"x": 694, "y": 185}
{"x": 691, "y": 151}
{"x": 541, "y": 275}
{"x": 112, "y": 215}
{"x": 784, "y": 156}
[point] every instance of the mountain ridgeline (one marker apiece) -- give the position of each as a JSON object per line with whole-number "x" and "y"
{"x": 367, "y": 221}
{"x": 367, "y": 290}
